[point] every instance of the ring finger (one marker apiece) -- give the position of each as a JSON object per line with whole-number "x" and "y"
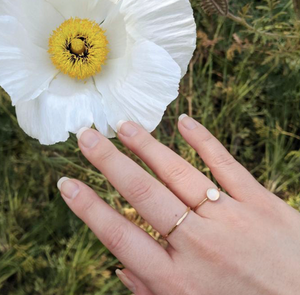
{"x": 184, "y": 180}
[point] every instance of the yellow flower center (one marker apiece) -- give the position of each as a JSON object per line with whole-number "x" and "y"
{"x": 79, "y": 48}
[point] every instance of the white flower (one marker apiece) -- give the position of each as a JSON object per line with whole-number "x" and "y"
{"x": 69, "y": 64}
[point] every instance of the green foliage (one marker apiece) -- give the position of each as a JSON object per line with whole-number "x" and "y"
{"x": 243, "y": 85}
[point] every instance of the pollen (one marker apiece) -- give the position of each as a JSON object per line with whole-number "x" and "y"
{"x": 79, "y": 48}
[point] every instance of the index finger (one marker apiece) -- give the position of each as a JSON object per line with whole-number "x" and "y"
{"x": 131, "y": 245}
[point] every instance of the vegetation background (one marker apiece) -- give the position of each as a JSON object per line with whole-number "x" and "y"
{"x": 243, "y": 84}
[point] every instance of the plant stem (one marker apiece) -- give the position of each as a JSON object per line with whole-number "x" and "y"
{"x": 245, "y": 24}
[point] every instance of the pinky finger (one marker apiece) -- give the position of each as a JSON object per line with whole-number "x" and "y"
{"x": 132, "y": 282}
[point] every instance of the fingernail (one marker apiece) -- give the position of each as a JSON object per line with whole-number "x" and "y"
{"x": 125, "y": 280}
{"x": 126, "y": 128}
{"x": 188, "y": 122}
{"x": 88, "y": 137}
{"x": 80, "y": 132}
{"x": 68, "y": 188}
{"x": 61, "y": 181}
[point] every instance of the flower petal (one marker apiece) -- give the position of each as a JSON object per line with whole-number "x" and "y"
{"x": 38, "y": 18}
{"x": 139, "y": 86}
{"x": 66, "y": 106}
{"x": 96, "y": 10}
{"x": 168, "y": 23}
{"x": 26, "y": 69}
{"x": 116, "y": 33}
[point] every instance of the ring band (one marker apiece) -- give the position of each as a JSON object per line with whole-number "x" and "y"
{"x": 188, "y": 210}
{"x": 212, "y": 194}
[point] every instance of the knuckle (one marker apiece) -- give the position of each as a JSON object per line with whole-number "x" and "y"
{"x": 212, "y": 249}
{"x": 207, "y": 138}
{"x": 139, "y": 189}
{"x": 176, "y": 173}
{"x": 106, "y": 154}
{"x": 145, "y": 143}
{"x": 223, "y": 160}
{"x": 86, "y": 206}
{"x": 239, "y": 222}
{"x": 239, "y": 219}
{"x": 117, "y": 237}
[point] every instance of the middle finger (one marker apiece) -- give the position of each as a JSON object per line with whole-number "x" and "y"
{"x": 154, "y": 202}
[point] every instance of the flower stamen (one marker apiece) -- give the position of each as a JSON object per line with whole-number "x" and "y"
{"x": 79, "y": 48}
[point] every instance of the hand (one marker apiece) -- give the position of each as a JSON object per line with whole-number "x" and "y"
{"x": 247, "y": 244}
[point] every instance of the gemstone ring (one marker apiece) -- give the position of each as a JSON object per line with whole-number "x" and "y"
{"x": 212, "y": 195}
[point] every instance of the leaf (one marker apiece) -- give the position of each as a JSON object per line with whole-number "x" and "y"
{"x": 215, "y": 7}
{"x": 245, "y": 9}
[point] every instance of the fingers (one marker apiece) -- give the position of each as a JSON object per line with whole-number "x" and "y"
{"x": 232, "y": 176}
{"x": 132, "y": 282}
{"x": 131, "y": 245}
{"x": 148, "y": 196}
{"x": 185, "y": 181}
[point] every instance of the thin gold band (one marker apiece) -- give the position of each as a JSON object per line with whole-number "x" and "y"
{"x": 188, "y": 210}
{"x": 200, "y": 204}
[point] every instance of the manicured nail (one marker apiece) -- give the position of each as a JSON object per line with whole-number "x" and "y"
{"x": 80, "y": 132}
{"x": 127, "y": 129}
{"x": 61, "y": 181}
{"x": 125, "y": 280}
{"x": 88, "y": 137}
{"x": 188, "y": 122}
{"x": 181, "y": 117}
{"x": 68, "y": 188}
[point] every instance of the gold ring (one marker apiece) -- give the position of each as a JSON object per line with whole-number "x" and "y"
{"x": 188, "y": 210}
{"x": 212, "y": 194}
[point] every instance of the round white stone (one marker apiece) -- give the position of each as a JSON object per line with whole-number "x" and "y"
{"x": 213, "y": 194}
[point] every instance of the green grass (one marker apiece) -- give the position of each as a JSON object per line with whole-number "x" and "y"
{"x": 243, "y": 86}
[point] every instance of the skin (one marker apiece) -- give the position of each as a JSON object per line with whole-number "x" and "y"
{"x": 244, "y": 244}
